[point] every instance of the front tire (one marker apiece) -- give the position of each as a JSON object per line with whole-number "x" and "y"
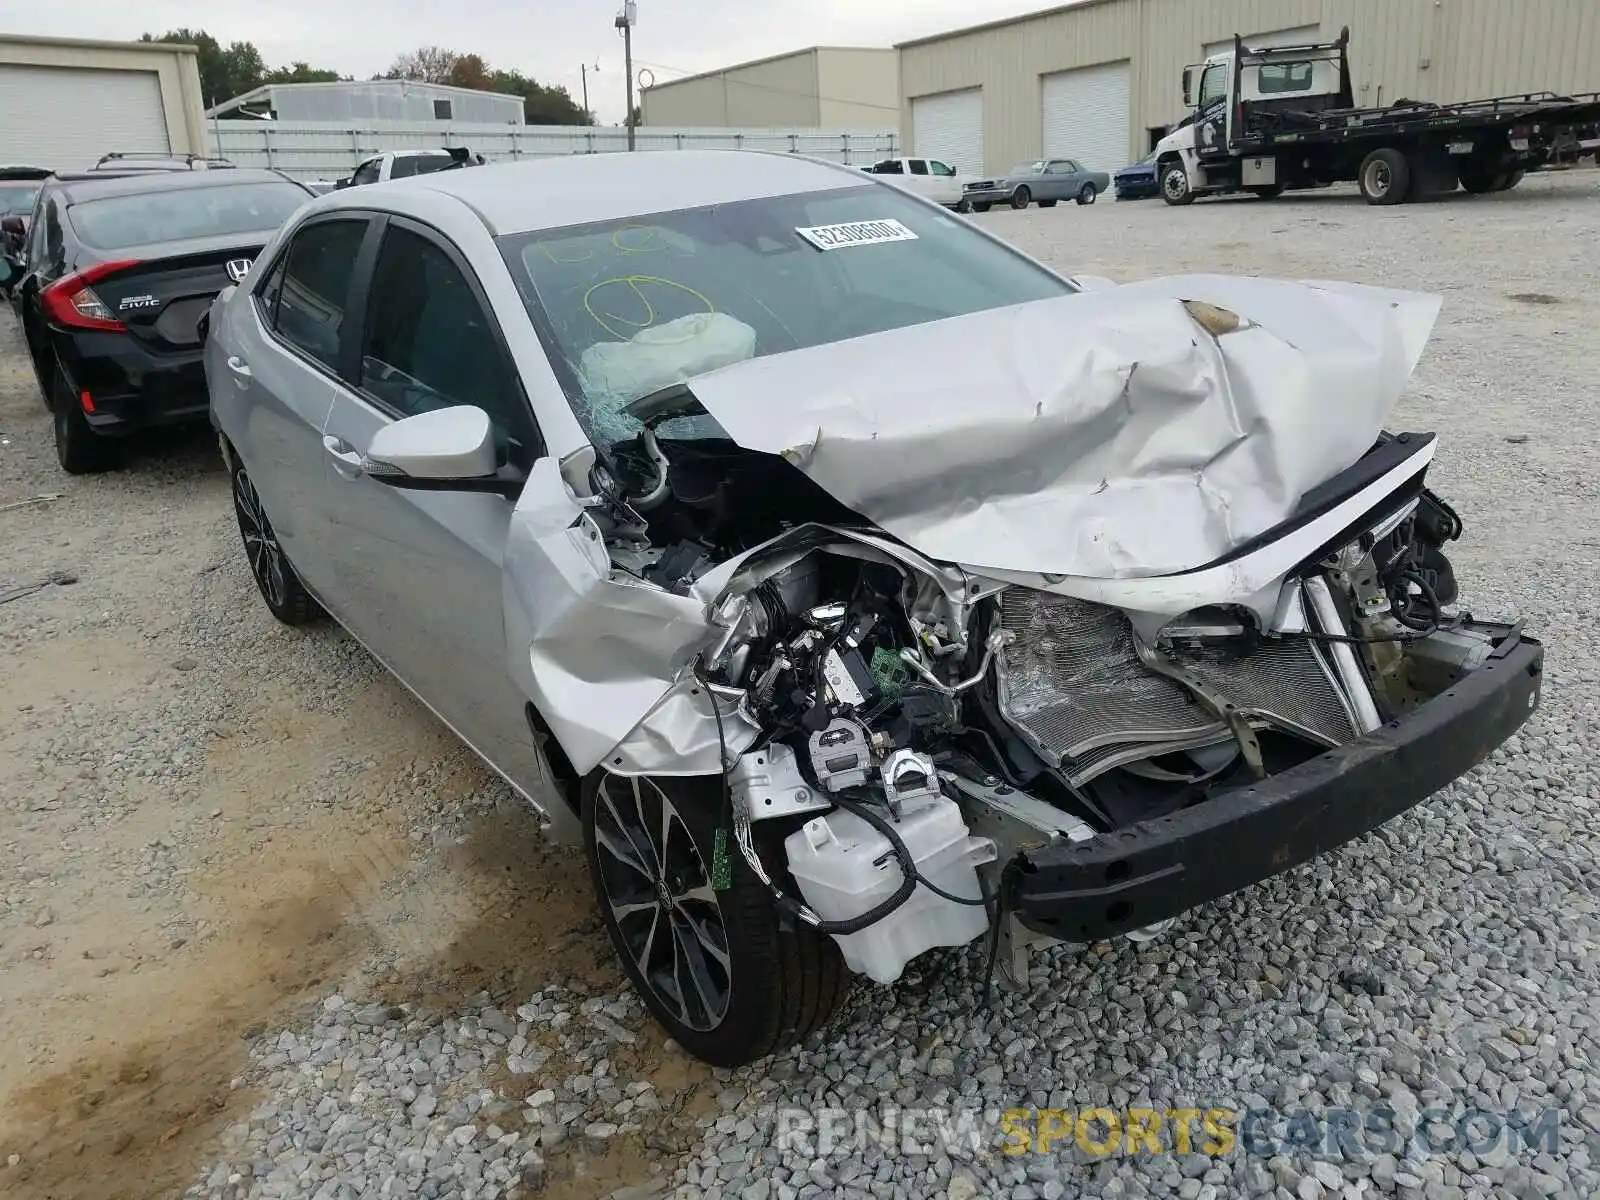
{"x": 1175, "y": 188}
{"x": 1087, "y": 194}
{"x": 79, "y": 449}
{"x": 964, "y": 206}
{"x": 1021, "y": 198}
{"x": 981, "y": 206}
{"x": 1385, "y": 177}
{"x": 286, "y": 597}
{"x": 713, "y": 967}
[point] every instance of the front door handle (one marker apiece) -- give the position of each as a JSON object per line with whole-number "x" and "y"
{"x": 238, "y": 366}
{"x": 346, "y": 458}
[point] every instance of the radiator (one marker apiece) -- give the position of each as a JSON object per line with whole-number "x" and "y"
{"x": 1071, "y": 682}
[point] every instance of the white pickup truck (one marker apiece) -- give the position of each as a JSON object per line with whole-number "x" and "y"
{"x": 927, "y": 177}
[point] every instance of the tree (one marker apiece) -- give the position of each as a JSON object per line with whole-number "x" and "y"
{"x": 226, "y": 72}
{"x": 541, "y": 104}
{"x": 300, "y": 72}
{"x": 430, "y": 64}
{"x": 470, "y": 71}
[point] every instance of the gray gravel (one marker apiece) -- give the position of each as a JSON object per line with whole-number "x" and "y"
{"x": 1450, "y": 962}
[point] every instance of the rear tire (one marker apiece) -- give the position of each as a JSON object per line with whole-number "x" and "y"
{"x": 752, "y": 988}
{"x": 1510, "y": 181}
{"x": 1385, "y": 177}
{"x": 1021, "y": 198}
{"x": 1175, "y": 188}
{"x": 79, "y": 449}
{"x": 1087, "y": 194}
{"x": 1477, "y": 178}
{"x": 285, "y": 596}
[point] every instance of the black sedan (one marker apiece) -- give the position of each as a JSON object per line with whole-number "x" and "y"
{"x": 1137, "y": 181}
{"x": 114, "y": 279}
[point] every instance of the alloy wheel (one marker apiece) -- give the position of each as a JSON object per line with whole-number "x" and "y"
{"x": 267, "y": 563}
{"x": 656, "y": 884}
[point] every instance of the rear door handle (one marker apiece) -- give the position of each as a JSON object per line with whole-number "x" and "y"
{"x": 346, "y": 458}
{"x": 238, "y": 366}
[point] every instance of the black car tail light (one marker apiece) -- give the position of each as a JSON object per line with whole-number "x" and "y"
{"x": 71, "y": 300}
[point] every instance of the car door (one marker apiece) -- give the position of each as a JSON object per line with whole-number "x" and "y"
{"x": 419, "y": 572}
{"x": 1058, "y": 179}
{"x": 272, "y": 372}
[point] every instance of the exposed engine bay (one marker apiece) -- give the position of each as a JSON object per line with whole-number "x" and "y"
{"x": 924, "y": 728}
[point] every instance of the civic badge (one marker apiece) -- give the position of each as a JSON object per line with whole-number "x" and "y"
{"x": 238, "y": 268}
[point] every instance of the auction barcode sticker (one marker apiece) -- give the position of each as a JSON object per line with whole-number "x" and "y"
{"x": 856, "y": 233}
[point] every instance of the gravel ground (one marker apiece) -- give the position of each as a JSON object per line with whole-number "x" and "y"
{"x": 269, "y": 933}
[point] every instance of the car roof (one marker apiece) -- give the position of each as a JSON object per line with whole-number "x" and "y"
{"x": 97, "y": 184}
{"x": 551, "y": 193}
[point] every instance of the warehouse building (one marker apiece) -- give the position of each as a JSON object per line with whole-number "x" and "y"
{"x": 67, "y": 101}
{"x": 825, "y": 87}
{"x": 1101, "y": 80}
{"x": 374, "y": 100}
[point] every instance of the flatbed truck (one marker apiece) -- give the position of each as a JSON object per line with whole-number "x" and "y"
{"x": 1264, "y": 120}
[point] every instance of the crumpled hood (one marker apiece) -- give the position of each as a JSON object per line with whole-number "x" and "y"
{"x": 1111, "y": 434}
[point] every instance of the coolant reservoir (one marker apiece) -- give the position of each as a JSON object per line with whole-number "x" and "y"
{"x": 845, "y": 867}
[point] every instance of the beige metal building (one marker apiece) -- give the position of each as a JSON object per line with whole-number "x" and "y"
{"x": 67, "y": 101}
{"x": 825, "y": 87}
{"x": 1100, "y": 80}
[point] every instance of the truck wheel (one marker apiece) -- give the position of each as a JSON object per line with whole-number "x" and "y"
{"x": 1087, "y": 194}
{"x": 964, "y": 206}
{"x": 713, "y": 967}
{"x": 1510, "y": 181}
{"x": 1175, "y": 185}
{"x": 1478, "y": 178}
{"x": 1022, "y": 197}
{"x": 1385, "y": 177}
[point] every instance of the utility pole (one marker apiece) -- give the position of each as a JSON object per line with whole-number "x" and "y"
{"x": 585, "y": 69}
{"x": 625, "y": 22}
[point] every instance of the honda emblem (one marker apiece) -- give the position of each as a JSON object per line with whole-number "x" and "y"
{"x": 238, "y": 268}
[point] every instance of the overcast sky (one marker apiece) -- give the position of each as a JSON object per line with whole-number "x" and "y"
{"x": 547, "y": 41}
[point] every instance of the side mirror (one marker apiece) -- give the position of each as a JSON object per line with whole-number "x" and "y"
{"x": 1188, "y": 87}
{"x": 448, "y": 449}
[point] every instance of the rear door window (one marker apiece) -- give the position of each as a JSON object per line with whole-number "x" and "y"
{"x": 315, "y": 287}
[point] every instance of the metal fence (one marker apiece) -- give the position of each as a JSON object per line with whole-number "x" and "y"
{"x": 330, "y": 149}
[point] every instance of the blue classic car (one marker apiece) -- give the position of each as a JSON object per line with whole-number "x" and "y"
{"x": 1137, "y": 181}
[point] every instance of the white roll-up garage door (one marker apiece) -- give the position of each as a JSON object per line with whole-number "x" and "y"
{"x": 67, "y": 117}
{"x": 1086, "y": 116}
{"x": 949, "y": 127}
